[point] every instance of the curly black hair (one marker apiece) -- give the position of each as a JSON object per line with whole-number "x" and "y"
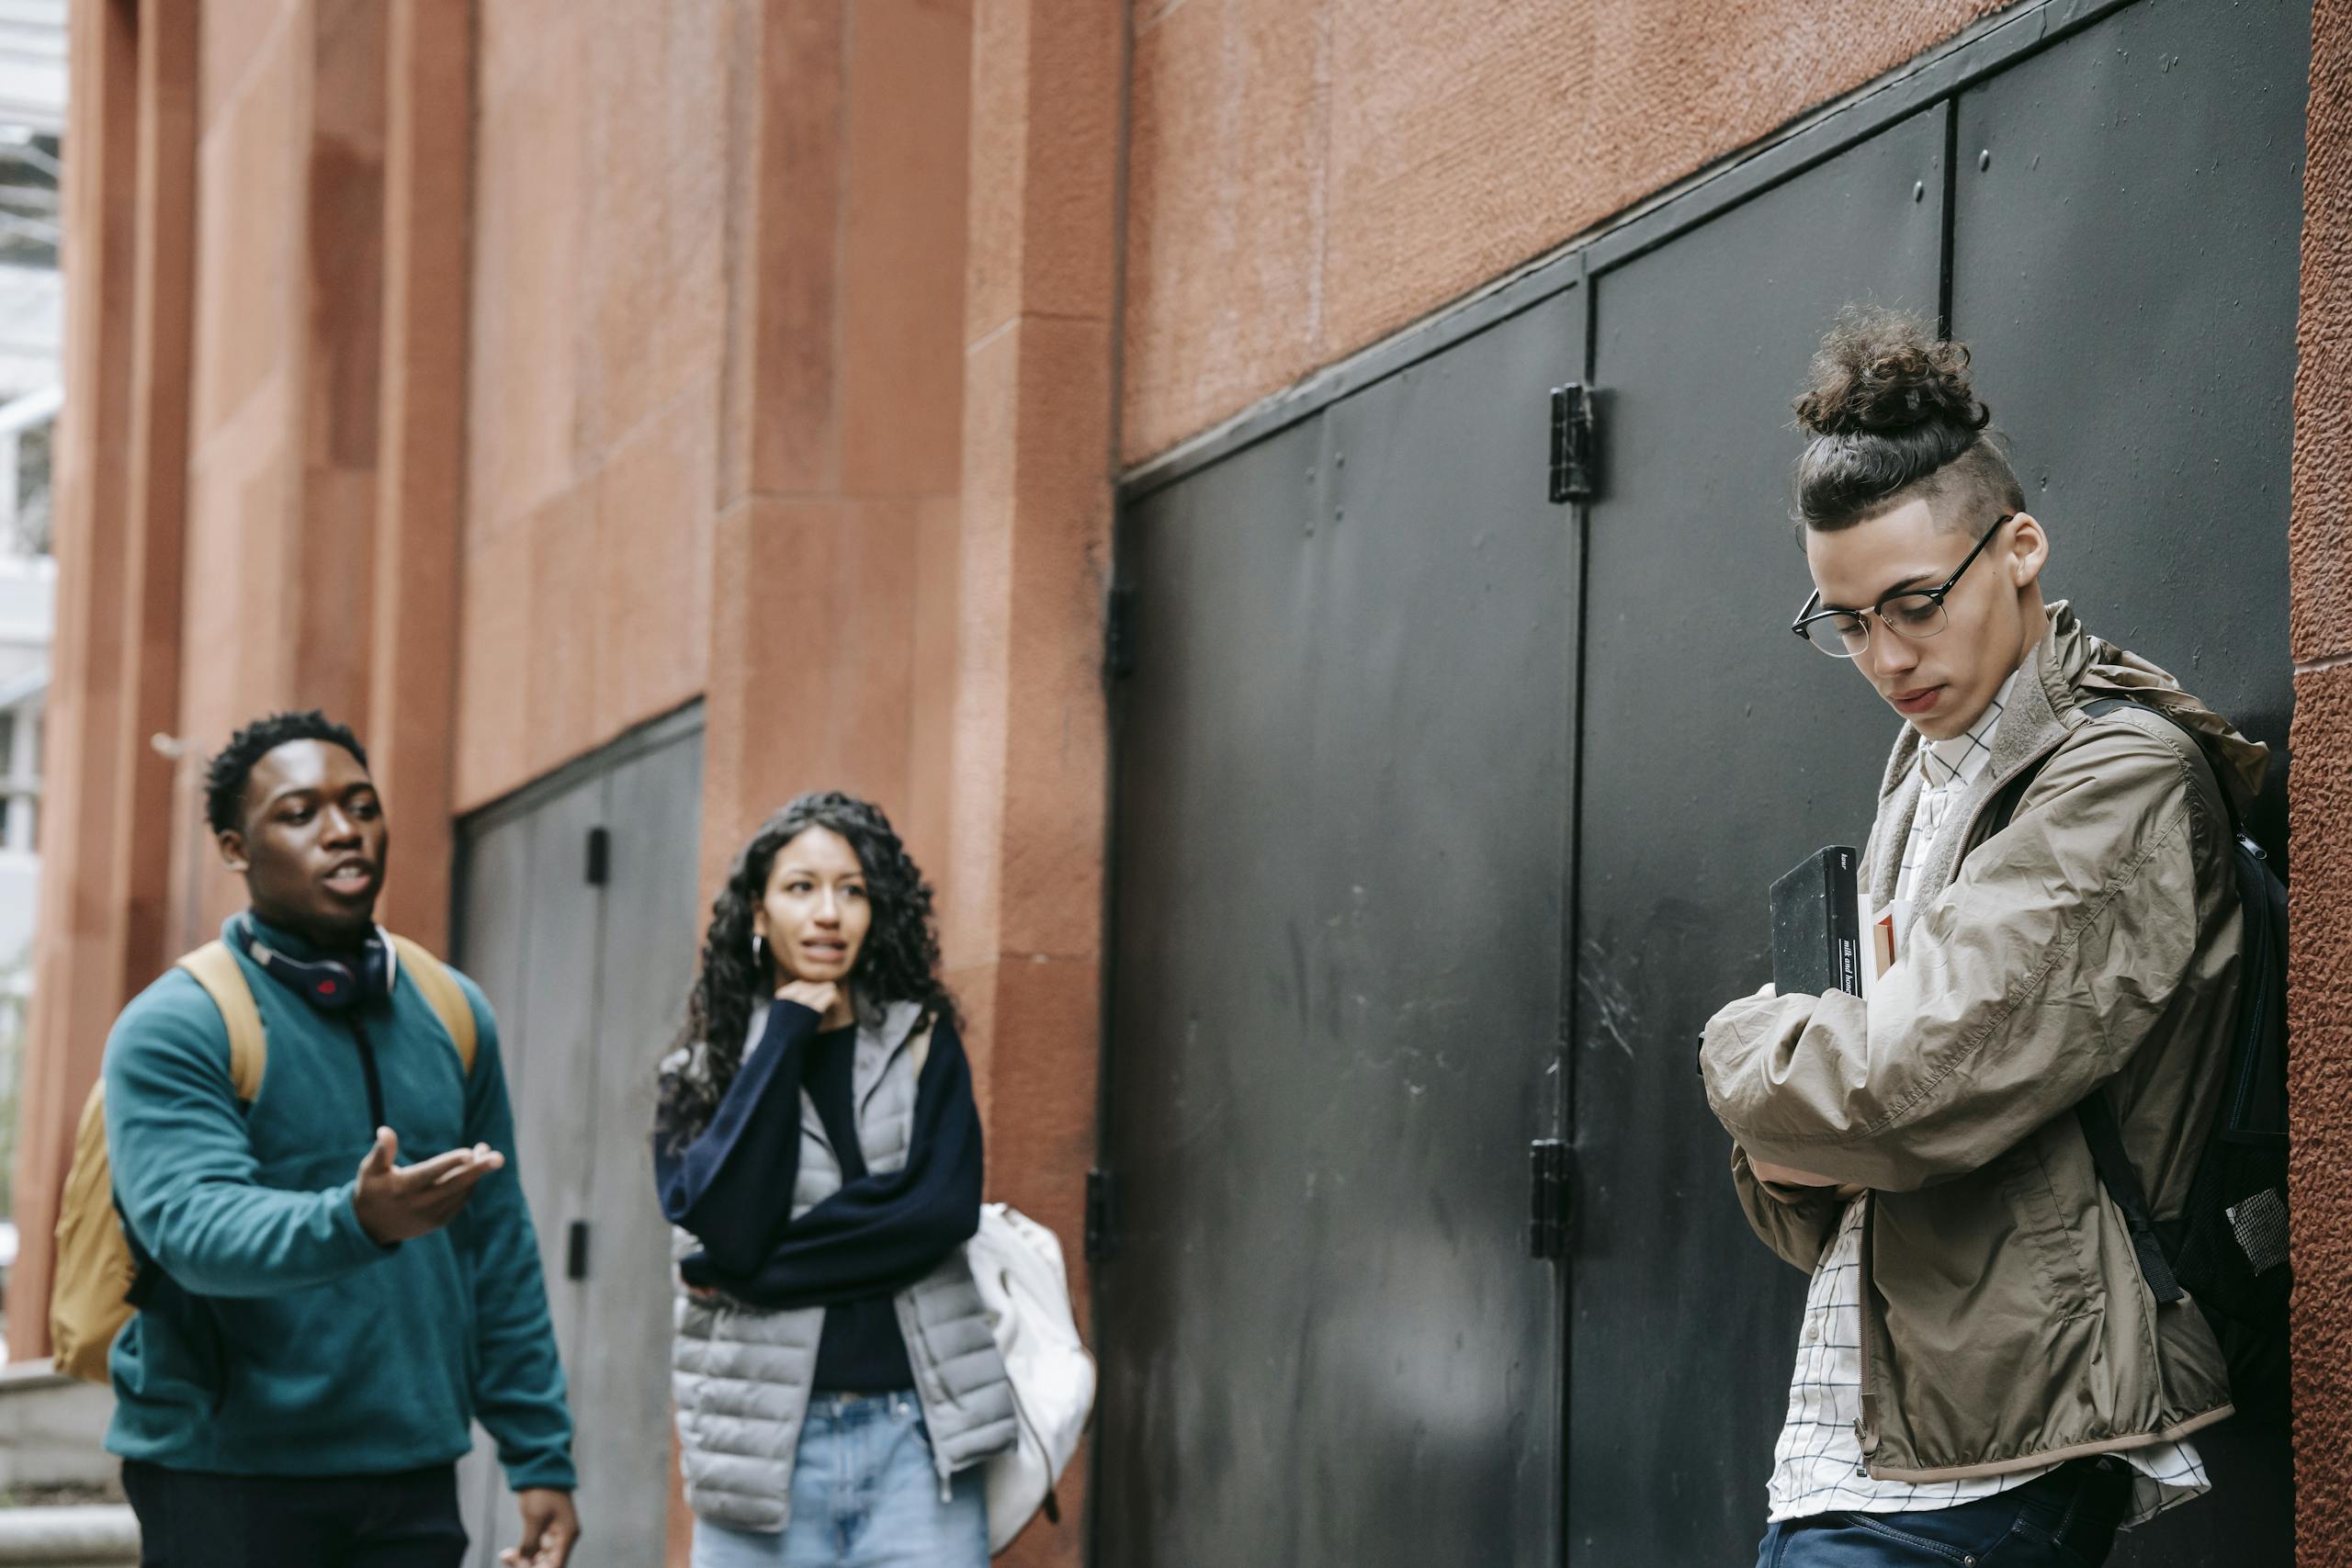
{"x": 1890, "y": 410}
{"x": 900, "y": 960}
{"x": 225, "y": 774}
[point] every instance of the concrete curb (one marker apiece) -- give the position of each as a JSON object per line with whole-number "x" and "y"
{"x": 97, "y": 1537}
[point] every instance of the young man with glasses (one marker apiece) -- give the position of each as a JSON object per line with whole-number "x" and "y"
{"x": 1981, "y": 1364}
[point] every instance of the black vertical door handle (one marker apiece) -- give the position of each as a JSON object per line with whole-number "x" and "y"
{"x": 575, "y": 1251}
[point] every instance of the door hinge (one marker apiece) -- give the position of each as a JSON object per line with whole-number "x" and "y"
{"x": 1575, "y": 430}
{"x": 575, "y": 1251}
{"x": 1101, "y": 1239}
{"x": 1119, "y": 634}
{"x": 600, "y": 856}
{"x": 1547, "y": 1207}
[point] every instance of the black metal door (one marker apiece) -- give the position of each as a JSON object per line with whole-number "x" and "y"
{"x": 2128, "y": 216}
{"x": 1343, "y": 763}
{"x": 585, "y": 953}
{"x": 1717, "y": 751}
{"x": 2122, "y": 257}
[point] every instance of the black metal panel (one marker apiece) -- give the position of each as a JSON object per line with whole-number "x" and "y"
{"x": 1343, "y": 764}
{"x": 2125, "y": 261}
{"x": 1717, "y": 750}
{"x": 2129, "y": 209}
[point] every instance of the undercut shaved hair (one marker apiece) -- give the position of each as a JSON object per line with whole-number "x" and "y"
{"x": 1890, "y": 416}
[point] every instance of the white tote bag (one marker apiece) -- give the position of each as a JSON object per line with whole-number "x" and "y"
{"x": 1017, "y": 1263}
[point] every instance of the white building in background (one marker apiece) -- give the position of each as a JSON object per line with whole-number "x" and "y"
{"x": 32, "y": 328}
{"x": 32, "y": 335}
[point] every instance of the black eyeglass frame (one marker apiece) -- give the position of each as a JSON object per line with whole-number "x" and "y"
{"x": 1813, "y": 610}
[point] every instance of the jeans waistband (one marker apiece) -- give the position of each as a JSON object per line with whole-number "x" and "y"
{"x": 840, "y": 1403}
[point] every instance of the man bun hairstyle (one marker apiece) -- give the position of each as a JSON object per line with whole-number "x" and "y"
{"x": 1889, "y": 412}
{"x": 225, "y": 774}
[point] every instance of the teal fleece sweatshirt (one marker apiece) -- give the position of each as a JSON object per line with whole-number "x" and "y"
{"x": 282, "y": 1340}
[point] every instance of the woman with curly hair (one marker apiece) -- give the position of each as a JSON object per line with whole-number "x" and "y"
{"x": 817, "y": 1146}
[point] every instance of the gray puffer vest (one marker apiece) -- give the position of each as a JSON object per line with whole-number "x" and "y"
{"x": 740, "y": 1375}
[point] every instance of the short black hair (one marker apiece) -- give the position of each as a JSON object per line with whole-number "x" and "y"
{"x": 225, "y": 774}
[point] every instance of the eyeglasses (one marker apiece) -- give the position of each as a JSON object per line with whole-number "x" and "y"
{"x": 1911, "y": 614}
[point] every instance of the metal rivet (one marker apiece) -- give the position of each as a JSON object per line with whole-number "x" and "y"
{"x": 1985, "y": 159}
{"x": 1918, "y": 190}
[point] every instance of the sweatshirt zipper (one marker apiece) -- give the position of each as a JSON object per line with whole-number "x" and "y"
{"x": 375, "y": 1080}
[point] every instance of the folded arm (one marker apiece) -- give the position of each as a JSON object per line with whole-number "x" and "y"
{"x": 1795, "y": 1220}
{"x": 2026, "y": 984}
{"x": 881, "y": 1231}
{"x": 730, "y": 1187}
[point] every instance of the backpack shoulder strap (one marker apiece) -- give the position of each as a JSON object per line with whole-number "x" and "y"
{"x": 443, "y": 994}
{"x": 2105, "y": 1136}
{"x": 2014, "y": 791}
{"x": 217, "y": 970}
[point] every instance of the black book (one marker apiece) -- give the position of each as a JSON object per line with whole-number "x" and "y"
{"x": 1816, "y": 925}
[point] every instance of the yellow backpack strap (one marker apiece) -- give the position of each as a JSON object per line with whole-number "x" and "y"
{"x": 216, "y": 969}
{"x": 443, "y": 994}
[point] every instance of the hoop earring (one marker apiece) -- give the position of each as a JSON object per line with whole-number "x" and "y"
{"x": 759, "y": 952}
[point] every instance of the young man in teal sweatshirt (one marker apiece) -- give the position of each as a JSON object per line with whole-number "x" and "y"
{"x": 321, "y": 1322}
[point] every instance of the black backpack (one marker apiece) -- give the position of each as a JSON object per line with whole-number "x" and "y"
{"x": 2228, "y": 1248}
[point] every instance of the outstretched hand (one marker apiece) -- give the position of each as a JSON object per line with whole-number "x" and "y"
{"x": 550, "y": 1530}
{"x": 397, "y": 1203}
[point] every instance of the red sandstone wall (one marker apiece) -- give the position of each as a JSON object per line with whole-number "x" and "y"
{"x": 601, "y": 158}
{"x": 1305, "y": 176}
{"x": 2320, "y": 983}
{"x": 283, "y": 427}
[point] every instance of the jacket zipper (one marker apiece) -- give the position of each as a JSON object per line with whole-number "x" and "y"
{"x": 1865, "y": 1401}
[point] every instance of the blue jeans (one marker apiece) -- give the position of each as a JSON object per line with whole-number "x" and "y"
{"x": 2065, "y": 1520}
{"x": 864, "y": 1495}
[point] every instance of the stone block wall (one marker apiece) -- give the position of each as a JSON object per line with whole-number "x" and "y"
{"x": 2320, "y": 811}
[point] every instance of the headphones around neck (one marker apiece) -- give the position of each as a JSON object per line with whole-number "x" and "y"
{"x": 328, "y": 983}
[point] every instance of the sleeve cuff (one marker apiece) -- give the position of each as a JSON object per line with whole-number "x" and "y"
{"x": 552, "y": 1471}
{"x": 357, "y": 1245}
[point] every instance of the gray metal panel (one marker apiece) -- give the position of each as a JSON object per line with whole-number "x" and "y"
{"x": 491, "y": 944}
{"x": 652, "y": 934}
{"x": 588, "y": 984}
{"x": 555, "y": 1059}
{"x": 1343, "y": 763}
{"x": 1717, "y": 751}
{"x": 2125, "y": 268}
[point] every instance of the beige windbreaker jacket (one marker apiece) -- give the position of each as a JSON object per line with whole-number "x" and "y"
{"x": 2091, "y": 946}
